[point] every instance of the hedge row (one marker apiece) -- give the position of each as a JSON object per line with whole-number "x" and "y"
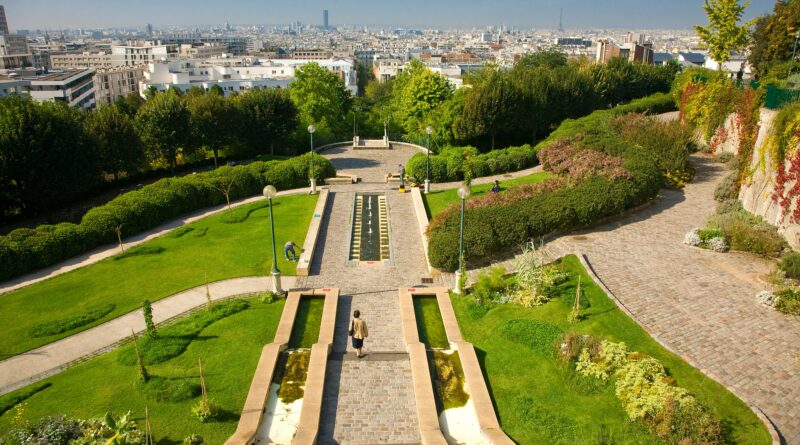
{"x": 496, "y": 223}
{"x": 451, "y": 163}
{"x": 25, "y": 250}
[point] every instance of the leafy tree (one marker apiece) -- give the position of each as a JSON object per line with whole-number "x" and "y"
{"x": 723, "y": 34}
{"x": 45, "y": 159}
{"x": 417, "y": 92}
{"x": 118, "y": 146}
{"x": 321, "y": 99}
{"x": 163, "y": 126}
{"x": 195, "y": 91}
{"x": 129, "y": 104}
{"x": 267, "y": 116}
{"x": 216, "y": 89}
{"x": 147, "y": 312}
{"x": 548, "y": 58}
{"x": 212, "y": 119}
{"x": 489, "y": 107}
{"x": 772, "y": 40}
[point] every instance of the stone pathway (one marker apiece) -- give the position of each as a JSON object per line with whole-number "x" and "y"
{"x": 31, "y": 366}
{"x": 700, "y": 303}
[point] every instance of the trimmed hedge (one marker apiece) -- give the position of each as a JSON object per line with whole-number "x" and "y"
{"x": 450, "y": 164}
{"x": 496, "y": 223}
{"x": 25, "y": 250}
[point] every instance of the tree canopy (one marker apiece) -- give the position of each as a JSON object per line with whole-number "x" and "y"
{"x": 321, "y": 99}
{"x": 723, "y": 34}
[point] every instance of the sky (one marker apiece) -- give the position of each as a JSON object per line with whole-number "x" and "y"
{"x": 629, "y": 14}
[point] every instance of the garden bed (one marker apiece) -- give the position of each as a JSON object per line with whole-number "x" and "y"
{"x": 540, "y": 399}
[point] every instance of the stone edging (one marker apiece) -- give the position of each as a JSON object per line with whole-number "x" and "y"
{"x": 312, "y": 235}
{"x": 773, "y": 432}
{"x": 422, "y": 222}
{"x": 258, "y": 396}
{"x": 473, "y": 375}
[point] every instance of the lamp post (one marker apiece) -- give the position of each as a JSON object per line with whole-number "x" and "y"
{"x": 311, "y": 130}
{"x": 794, "y": 51}
{"x": 428, "y": 130}
{"x": 463, "y": 193}
{"x": 269, "y": 193}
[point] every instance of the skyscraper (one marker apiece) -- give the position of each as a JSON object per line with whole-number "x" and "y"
{"x": 561, "y": 20}
{"x": 3, "y": 22}
{"x": 325, "y": 19}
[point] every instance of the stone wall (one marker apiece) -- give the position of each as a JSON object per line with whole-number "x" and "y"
{"x": 756, "y": 194}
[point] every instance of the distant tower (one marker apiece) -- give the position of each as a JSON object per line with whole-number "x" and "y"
{"x": 561, "y": 21}
{"x": 3, "y": 22}
{"x": 325, "y": 19}
{"x": 149, "y": 30}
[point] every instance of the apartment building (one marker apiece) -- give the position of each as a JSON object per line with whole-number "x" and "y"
{"x": 73, "y": 87}
{"x": 110, "y": 83}
{"x": 99, "y": 60}
{"x": 141, "y": 54}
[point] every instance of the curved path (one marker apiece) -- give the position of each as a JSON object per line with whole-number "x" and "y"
{"x": 28, "y": 367}
{"x": 699, "y": 303}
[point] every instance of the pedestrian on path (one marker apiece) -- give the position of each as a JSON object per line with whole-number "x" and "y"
{"x": 358, "y": 330}
{"x": 402, "y": 176}
{"x": 289, "y": 248}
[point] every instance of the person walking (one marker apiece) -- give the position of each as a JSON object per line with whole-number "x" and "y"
{"x": 402, "y": 176}
{"x": 358, "y": 330}
{"x": 289, "y": 248}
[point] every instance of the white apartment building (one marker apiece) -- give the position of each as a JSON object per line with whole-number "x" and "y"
{"x": 201, "y": 51}
{"x": 14, "y": 51}
{"x": 111, "y": 83}
{"x": 234, "y": 75}
{"x": 141, "y": 54}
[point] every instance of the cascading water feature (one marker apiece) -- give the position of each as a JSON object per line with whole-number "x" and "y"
{"x": 370, "y": 240}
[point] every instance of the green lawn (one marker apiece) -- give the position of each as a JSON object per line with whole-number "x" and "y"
{"x": 230, "y": 349}
{"x": 219, "y": 249}
{"x": 437, "y": 201}
{"x": 430, "y": 326}
{"x": 305, "y": 330}
{"x": 540, "y": 402}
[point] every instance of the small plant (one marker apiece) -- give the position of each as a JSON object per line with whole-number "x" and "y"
{"x": 193, "y": 439}
{"x": 766, "y": 298}
{"x": 490, "y": 285}
{"x": 788, "y": 302}
{"x": 790, "y": 265}
{"x": 138, "y": 251}
{"x": 267, "y": 297}
{"x": 147, "y": 311}
{"x": 575, "y": 314}
{"x": 693, "y": 238}
{"x": 111, "y": 431}
{"x": 717, "y": 244}
{"x": 205, "y": 410}
{"x": 536, "y": 281}
{"x": 728, "y": 188}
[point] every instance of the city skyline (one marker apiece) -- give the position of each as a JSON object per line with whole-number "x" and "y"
{"x": 27, "y": 14}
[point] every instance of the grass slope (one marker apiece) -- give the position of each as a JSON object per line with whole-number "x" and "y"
{"x": 539, "y": 402}
{"x": 437, "y": 201}
{"x": 220, "y": 249}
{"x": 230, "y": 349}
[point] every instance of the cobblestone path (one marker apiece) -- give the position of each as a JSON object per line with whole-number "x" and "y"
{"x": 369, "y": 400}
{"x": 700, "y": 303}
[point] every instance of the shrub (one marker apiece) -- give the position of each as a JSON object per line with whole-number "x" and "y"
{"x": 535, "y": 334}
{"x": 728, "y": 188}
{"x": 25, "y": 250}
{"x": 193, "y": 439}
{"x": 137, "y": 251}
{"x": 67, "y": 324}
{"x": 790, "y": 265}
{"x": 206, "y": 410}
{"x": 604, "y": 361}
{"x": 48, "y": 431}
{"x": 536, "y": 281}
{"x": 180, "y": 231}
{"x": 451, "y": 163}
{"x": 748, "y": 232}
{"x": 111, "y": 430}
{"x": 490, "y": 285}
{"x": 788, "y": 302}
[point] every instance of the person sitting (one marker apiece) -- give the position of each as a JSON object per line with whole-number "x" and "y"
{"x": 496, "y": 186}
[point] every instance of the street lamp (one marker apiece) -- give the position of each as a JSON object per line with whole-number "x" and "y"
{"x": 428, "y": 130}
{"x": 463, "y": 193}
{"x": 269, "y": 193}
{"x": 311, "y": 130}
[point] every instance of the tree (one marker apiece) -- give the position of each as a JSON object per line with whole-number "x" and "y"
{"x": 723, "y": 35}
{"x": 417, "y": 92}
{"x": 772, "y": 40}
{"x": 163, "y": 126}
{"x": 321, "y": 99}
{"x": 547, "y": 58}
{"x": 118, "y": 146}
{"x": 268, "y": 116}
{"x": 489, "y": 107}
{"x": 147, "y": 312}
{"x": 129, "y": 104}
{"x": 212, "y": 119}
{"x": 45, "y": 159}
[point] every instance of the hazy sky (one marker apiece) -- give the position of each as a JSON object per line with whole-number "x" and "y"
{"x": 54, "y": 14}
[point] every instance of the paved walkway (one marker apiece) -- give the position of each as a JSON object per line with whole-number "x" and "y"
{"x": 39, "y": 363}
{"x": 700, "y": 303}
{"x": 369, "y": 400}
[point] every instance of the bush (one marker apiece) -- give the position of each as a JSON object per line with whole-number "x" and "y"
{"x": 535, "y": 334}
{"x": 452, "y": 162}
{"x": 48, "y": 431}
{"x": 138, "y": 251}
{"x": 748, "y": 232}
{"x": 180, "y": 231}
{"x": 790, "y": 265}
{"x": 490, "y": 285}
{"x": 788, "y": 302}
{"x": 193, "y": 439}
{"x": 25, "y": 250}
{"x": 206, "y": 410}
{"x": 728, "y": 188}
{"x": 67, "y": 324}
